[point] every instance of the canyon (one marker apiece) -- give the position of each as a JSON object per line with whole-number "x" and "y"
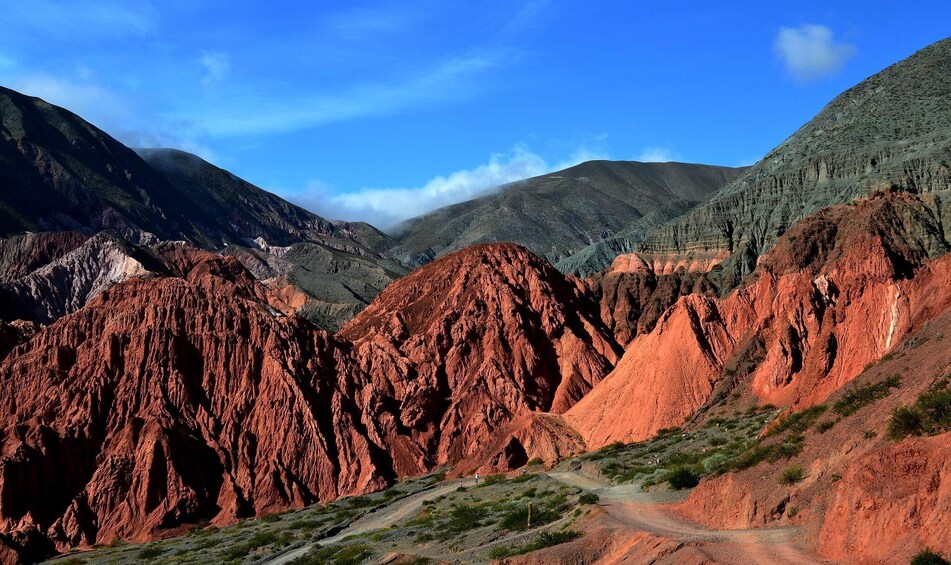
{"x": 181, "y": 348}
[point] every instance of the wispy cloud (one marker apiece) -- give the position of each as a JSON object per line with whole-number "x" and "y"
{"x": 810, "y": 52}
{"x": 93, "y": 19}
{"x": 453, "y": 79}
{"x": 216, "y": 66}
{"x": 659, "y": 154}
{"x": 386, "y": 207}
{"x": 105, "y": 108}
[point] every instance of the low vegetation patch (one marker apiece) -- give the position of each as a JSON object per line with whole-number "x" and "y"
{"x": 792, "y": 475}
{"x": 797, "y": 422}
{"x": 545, "y": 539}
{"x": 681, "y": 478}
{"x": 930, "y": 415}
{"x": 864, "y": 395}
{"x": 588, "y": 498}
{"x": 346, "y": 555}
{"x": 929, "y": 557}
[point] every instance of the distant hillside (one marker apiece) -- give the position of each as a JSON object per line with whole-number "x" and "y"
{"x": 891, "y": 130}
{"x": 558, "y": 214}
{"x": 59, "y": 173}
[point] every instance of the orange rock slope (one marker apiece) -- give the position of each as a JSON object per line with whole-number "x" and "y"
{"x": 170, "y": 400}
{"x": 840, "y": 289}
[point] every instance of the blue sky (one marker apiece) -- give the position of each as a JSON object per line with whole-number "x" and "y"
{"x": 383, "y": 110}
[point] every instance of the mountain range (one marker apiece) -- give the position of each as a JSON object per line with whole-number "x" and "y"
{"x": 181, "y": 351}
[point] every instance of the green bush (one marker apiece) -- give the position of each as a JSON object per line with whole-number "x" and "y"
{"x": 465, "y": 517}
{"x": 792, "y": 475}
{"x": 928, "y": 557}
{"x": 824, "y": 426}
{"x": 798, "y": 422}
{"x": 588, "y": 498}
{"x": 545, "y": 539}
{"x": 347, "y": 555}
{"x": 865, "y": 395}
{"x": 150, "y": 552}
{"x": 490, "y": 480}
{"x": 516, "y": 519}
{"x": 905, "y": 421}
{"x": 680, "y": 478}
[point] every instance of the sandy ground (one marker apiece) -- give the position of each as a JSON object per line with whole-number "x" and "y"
{"x": 649, "y": 512}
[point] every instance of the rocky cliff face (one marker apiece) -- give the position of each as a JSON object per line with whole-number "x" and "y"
{"x": 893, "y": 129}
{"x": 179, "y": 398}
{"x": 478, "y": 337}
{"x": 840, "y": 290}
{"x": 69, "y": 282}
{"x": 865, "y": 498}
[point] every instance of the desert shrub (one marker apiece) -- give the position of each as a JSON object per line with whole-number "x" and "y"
{"x": 936, "y": 406}
{"x": 492, "y": 480}
{"x": 465, "y": 517}
{"x": 305, "y": 524}
{"x": 929, "y": 557}
{"x": 534, "y": 461}
{"x": 545, "y": 539}
{"x": 150, "y": 552}
{"x": 792, "y": 475}
{"x": 392, "y": 493}
{"x": 905, "y": 421}
{"x": 798, "y": 422}
{"x": 681, "y": 477}
{"x": 523, "y": 478}
{"x": 359, "y": 502}
{"x": 588, "y": 498}
{"x": 259, "y": 539}
{"x": 347, "y": 555}
{"x": 664, "y": 432}
{"x": 825, "y": 425}
{"x": 516, "y": 519}
{"x": 865, "y": 395}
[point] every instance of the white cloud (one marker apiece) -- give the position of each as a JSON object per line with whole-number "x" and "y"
{"x": 659, "y": 154}
{"x": 386, "y": 207}
{"x": 811, "y": 52}
{"x": 216, "y": 65}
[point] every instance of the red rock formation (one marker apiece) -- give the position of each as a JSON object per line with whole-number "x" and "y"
{"x": 476, "y": 338}
{"x": 865, "y": 498}
{"x": 834, "y": 295}
{"x": 632, "y": 301}
{"x": 169, "y": 400}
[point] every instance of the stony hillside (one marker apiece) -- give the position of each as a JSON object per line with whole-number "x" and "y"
{"x": 891, "y": 130}
{"x": 558, "y": 214}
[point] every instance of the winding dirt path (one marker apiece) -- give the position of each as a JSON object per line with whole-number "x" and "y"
{"x": 376, "y": 520}
{"x": 648, "y": 512}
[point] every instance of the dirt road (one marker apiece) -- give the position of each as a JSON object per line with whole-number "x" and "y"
{"x": 649, "y": 512}
{"x": 383, "y": 518}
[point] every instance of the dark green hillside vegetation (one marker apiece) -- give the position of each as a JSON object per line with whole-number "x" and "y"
{"x": 559, "y": 214}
